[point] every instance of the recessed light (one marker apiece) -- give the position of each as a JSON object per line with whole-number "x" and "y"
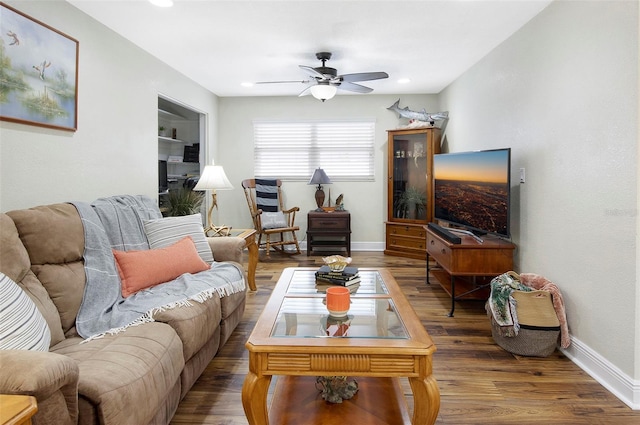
{"x": 161, "y": 3}
{"x": 404, "y": 81}
{"x": 246, "y": 84}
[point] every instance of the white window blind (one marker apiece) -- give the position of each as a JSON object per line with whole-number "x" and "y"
{"x": 291, "y": 150}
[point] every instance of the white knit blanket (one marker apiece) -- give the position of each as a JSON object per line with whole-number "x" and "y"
{"x": 116, "y": 223}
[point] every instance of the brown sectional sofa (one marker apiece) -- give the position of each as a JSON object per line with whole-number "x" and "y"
{"x": 134, "y": 377}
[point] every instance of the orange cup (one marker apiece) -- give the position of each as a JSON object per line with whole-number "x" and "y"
{"x": 338, "y": 301}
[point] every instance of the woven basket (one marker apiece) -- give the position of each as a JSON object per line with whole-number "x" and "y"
{"x": 539, "y": 326}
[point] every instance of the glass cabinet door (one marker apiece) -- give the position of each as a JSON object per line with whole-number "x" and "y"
{"x": 410, "y": 189}
{"x": 408, "y": 180}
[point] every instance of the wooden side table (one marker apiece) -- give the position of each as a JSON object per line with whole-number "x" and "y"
{"x": 17, "y": 409}
{"x": 249, "y": 236}
{"x": 329, "y": 230}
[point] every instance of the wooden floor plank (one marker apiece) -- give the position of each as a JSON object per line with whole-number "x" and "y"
{"x": 480, "y": 383}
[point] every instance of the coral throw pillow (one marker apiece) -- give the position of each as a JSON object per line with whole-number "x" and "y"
{"x": 22, "y": 326}
{"x": 143, "y": 269}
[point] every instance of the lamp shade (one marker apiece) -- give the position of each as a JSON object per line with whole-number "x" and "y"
{"x": 213, "y": 177}
{"x": 323, "y": 91}
{"x": 319, "y": 177}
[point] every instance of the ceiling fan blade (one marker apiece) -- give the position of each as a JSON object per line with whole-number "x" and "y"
{"x": 354, "y": 87}
{"x": 282, "y": 82}
{"x": 312, "y": 72}
{"x": 363, "y": 76}
{"x": 306, "y": 91}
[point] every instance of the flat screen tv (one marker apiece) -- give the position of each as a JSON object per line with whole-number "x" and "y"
{"x": 472, "y": 190}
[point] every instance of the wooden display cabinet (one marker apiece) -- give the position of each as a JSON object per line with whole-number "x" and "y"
{"x": 410, "y": 190}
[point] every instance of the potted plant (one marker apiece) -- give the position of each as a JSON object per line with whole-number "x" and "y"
{"x": 183, "y": 202}
{"x": 412, "y": 203}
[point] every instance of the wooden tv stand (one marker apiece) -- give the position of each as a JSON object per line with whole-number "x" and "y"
{"x": 470, "y": 258}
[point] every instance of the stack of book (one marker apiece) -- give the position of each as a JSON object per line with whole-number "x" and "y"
{"x": 321, "y": 287}
{"x": 349, "y": 276}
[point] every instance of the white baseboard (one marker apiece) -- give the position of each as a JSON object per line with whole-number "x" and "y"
{"x": 607, "y": 374}
{"x": 355, "y": 246}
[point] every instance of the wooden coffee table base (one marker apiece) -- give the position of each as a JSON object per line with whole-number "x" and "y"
{"x": 376, "y": 358}
{"x": 426, "y": 395}
{"x": 379, "y": 401}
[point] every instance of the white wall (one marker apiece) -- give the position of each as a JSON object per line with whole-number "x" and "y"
{"x": 366, "y": 201}
{"x": 115, "y": 149}
{"x": 563, "y": 93}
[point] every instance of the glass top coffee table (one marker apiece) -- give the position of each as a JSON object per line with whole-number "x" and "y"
{"x": 381, "y": 336}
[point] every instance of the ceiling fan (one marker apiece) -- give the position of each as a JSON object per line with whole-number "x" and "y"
{"x": 325, "y": 81}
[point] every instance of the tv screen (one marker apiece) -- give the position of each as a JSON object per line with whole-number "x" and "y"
{"x": 163, "y": 183}
{"x": 472, "y": 190}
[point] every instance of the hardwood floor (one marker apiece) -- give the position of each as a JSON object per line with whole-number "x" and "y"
{"x": 479, "y": 382}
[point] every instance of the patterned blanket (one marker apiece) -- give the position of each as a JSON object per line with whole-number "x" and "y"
{"x": 502, "y": 304}
{"x": 116, "y": 223}
{"x": 538, "y": 282}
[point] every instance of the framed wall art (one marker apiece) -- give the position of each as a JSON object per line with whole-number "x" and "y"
{"x": 38, "y": 72}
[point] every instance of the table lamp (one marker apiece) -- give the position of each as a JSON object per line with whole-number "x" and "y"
{"x": 213, "y": 178}
{"x": 319, "y": 177}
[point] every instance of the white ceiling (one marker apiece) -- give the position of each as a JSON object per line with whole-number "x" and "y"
{"x": 221, "y": 44}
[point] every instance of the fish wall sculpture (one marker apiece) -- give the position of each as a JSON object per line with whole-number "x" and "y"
{"x": 423, "y": 115}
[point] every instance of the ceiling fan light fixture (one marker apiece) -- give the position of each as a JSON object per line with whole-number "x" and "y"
{"x": 323, "y": 91}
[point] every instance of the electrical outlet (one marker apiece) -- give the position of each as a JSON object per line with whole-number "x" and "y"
{"x": 522, "y": 175}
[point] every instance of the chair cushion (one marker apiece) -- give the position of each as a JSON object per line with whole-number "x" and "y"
{"x": 52, "y": 237}
{"x": 203, "y": 316}
{"x": 273, "y": 220}
{"x": 15, "y": 263}
{"x": 143, "y": 269}
{"x": 163, "y": 232}
{"x": 138, "y": 367}
{"x": 22, "y": 326}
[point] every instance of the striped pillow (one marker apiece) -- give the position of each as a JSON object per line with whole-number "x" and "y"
{"x": 164, "y": 232}
{"x": 267, "y": 195}
{"x": 22, "y": 326}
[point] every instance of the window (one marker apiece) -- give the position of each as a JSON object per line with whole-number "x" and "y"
{"x": 291, "y": 150}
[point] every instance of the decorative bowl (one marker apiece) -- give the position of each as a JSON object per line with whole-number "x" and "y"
{"x": 337, "y": 263}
